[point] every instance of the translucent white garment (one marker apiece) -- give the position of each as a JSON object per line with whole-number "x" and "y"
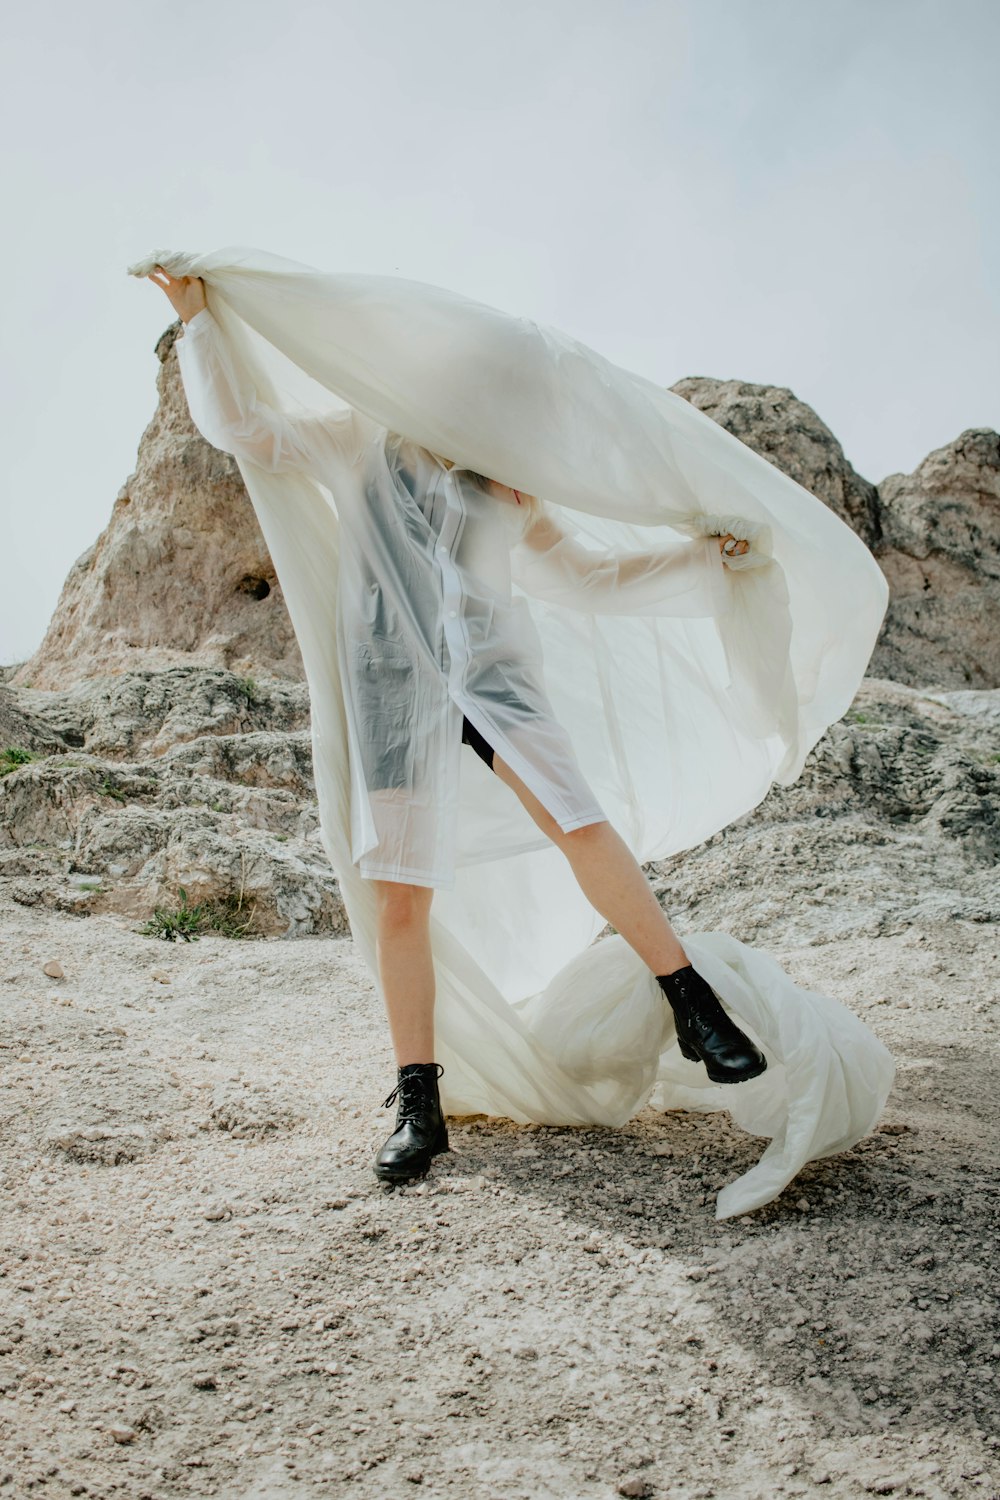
{"x": 428, "y": 627}
{"x": 682, "y": 702}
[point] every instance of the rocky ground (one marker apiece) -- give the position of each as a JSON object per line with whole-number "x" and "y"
{"x": 204, "y": 1290}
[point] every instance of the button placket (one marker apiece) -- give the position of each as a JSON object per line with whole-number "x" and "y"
{"x": 454, "y": 628}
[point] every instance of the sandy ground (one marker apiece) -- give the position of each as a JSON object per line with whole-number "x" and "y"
{"x": 205, "y": 1291}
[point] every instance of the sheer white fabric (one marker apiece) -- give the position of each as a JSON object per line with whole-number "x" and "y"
{"x": 428, "y": 625}
{"x": 684, "y": 683}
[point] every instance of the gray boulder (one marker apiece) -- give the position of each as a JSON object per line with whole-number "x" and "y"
{"x": 941, "y": 555}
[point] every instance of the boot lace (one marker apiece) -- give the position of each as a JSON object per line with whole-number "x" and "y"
{"x": 411, "y": 1090}
{"x": 707, "y": 1015}
{"x": 702, "y": 1008}
{"x": 706, "y": 1018}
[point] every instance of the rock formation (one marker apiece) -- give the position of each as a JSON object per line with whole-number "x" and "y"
{"x": 789, "y": 434}
{"x": 940, "y": 553}
{"x": 180, "y": 573}
{"x": 934, "y": 532}
{"x": 188, "y": 779}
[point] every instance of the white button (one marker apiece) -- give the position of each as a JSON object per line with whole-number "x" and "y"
{"x": 441, "y": 551}
{"x": 453, "y": 614}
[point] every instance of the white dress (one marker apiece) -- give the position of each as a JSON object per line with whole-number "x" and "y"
{"x": 432, "y": 621}
{"x": 687, "y": 684}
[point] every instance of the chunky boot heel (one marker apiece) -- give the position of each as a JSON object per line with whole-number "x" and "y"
{"x": 705, "y": 1033}
{"x": 421, "y": 1132}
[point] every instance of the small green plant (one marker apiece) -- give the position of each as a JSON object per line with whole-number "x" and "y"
{"x": 13, "y": 758}
{"x": 184, "y": 922}
{"x": 252, "y": 691}
{"x": 112, "y": 789}
{"x": 227, "y": 915}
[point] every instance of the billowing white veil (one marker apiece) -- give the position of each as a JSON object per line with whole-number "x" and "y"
{"x": 680, "y": 724}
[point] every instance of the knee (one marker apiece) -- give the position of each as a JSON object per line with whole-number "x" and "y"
{"x": 399, "y": 906}
{"x": 590, "y": 836}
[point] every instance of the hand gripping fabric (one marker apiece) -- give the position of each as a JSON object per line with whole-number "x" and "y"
{"x": 681, "y": 724}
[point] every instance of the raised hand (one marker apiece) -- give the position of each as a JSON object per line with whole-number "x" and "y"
{"x": 186, "y": 293}
{"x": 738, "y": 550}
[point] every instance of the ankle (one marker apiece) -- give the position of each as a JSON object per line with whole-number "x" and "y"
{"x": 429, "y": 1072}
{"x": 685, "y": 967}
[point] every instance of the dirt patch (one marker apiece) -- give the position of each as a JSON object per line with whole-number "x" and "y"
{"x": 206, "y": 1292}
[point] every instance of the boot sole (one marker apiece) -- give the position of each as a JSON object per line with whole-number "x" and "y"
{"x": 744, "y": 1077}
{"x": 418, "y": 1169}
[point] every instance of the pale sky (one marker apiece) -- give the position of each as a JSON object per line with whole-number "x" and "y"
{"x": 794, "y": 192}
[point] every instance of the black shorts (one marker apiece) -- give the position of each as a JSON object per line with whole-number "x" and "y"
{"x": 471, "y": 736}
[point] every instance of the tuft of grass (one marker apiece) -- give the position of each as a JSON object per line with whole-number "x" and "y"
{"x": 13, "y": 758}
{"x": 230, "y": 916}
{"x": 252, "y": 691}
{"x": 112, "y": 789}
{"x": 183, "y": 922}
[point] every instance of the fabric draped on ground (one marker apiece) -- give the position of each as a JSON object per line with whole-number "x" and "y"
{"x": 681, "y": 723}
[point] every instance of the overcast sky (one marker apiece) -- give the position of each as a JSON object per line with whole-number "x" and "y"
{"x": 800, "y": 192}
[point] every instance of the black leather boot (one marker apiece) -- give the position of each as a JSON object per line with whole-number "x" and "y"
{"x": 420, "y": 1131}
{"x": 705, "y": 1033}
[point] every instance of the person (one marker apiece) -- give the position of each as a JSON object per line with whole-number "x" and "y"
{"x": 399, "y": 657}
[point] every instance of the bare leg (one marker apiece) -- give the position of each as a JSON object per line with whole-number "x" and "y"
{"x": 406, "y": 969}
{"x": 611, "y": 878}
